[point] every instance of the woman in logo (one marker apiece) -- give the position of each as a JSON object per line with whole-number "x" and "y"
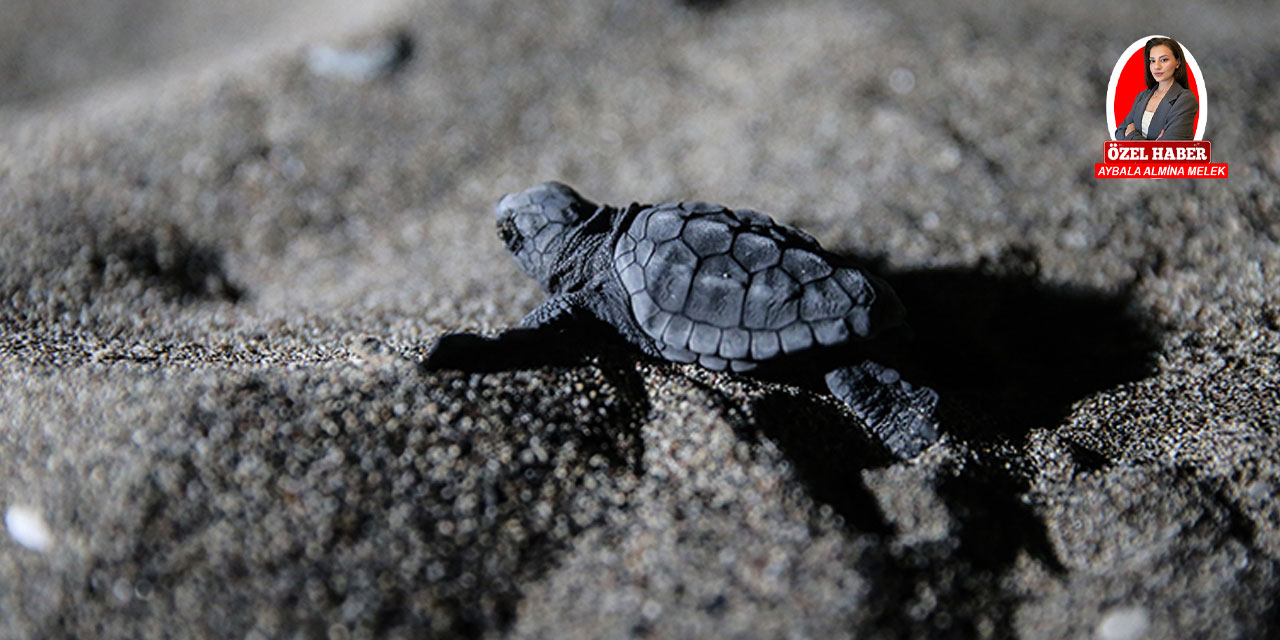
{"x": 1167, "y": 109}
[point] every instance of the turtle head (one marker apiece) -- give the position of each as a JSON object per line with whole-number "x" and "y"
{"x": 539, "y": 226}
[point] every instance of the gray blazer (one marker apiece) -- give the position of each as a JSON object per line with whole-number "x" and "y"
{"x": 1174, "y": 119}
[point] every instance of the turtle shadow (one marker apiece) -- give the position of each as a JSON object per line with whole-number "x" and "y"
{"x": 1009, "y": 353}
{"x": 828, "y": 454}
{"x": 990, "y": 526}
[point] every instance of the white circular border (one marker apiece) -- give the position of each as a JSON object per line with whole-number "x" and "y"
{"x": 1202, "y": 92}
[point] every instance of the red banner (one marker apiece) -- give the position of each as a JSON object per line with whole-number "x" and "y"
{"x": 1157, "y": 151}
{"x": 1158, "y": 159}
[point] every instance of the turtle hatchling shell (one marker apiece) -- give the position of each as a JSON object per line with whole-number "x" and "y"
{"x": 731, "y": 289}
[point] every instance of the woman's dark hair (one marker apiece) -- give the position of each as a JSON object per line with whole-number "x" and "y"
{"x": 1179, "y": 76}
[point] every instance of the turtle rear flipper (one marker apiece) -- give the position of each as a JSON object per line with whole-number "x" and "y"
{"x": 897, "y": 413}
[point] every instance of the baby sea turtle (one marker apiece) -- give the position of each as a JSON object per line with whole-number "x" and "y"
{"x": 694, "y": 282}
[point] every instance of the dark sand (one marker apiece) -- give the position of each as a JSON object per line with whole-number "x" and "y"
{"x": 219, "y": 268}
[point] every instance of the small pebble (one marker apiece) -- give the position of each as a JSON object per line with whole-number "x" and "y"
{"x": 360, "y": 64}
{"x": 27, "y": 528}
{"x": 1124, "y": 623}
{"x": 122, "y": 590}
{"x": 902, "y": 81}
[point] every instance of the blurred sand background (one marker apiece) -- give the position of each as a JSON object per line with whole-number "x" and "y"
{"x": 221, "y": 258}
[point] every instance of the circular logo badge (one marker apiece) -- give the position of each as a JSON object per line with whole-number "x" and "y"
{"x": 1128, "y": 79}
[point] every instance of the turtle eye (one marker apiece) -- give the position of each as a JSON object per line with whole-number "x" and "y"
{"x": 510, "y": 237}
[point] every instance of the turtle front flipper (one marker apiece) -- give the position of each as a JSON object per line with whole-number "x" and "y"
{"x": 897, "y": 413}
{"x": 518, "y": 348}
{"x": 550, "y": 335}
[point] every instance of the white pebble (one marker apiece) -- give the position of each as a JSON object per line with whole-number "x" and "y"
{"x": 1123, "y": 623}
{"x": 359, "y": 64}
{"x": 122, "y": 590}
{"x": 28, "y": 528}
{"x": 929, "y": 220}
{"x": 902, "y": 80}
